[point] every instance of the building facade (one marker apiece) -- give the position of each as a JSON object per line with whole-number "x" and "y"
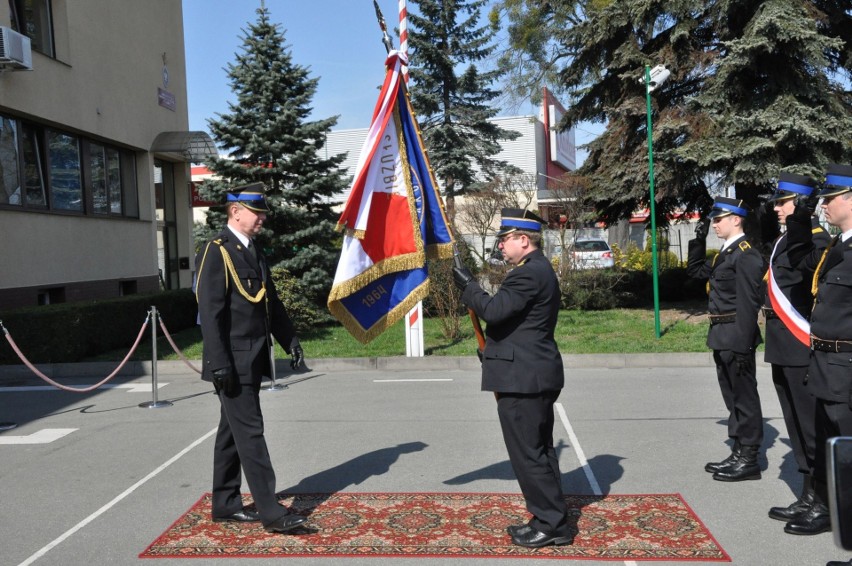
{"x": 94, "y": 151}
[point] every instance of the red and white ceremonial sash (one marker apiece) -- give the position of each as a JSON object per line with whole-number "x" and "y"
{"x": 792, "y": 319}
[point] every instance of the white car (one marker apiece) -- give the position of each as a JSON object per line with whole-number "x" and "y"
{"x": 591, "y": 254}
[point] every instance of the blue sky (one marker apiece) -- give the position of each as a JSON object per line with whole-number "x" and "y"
{"x": 338, "y": 40}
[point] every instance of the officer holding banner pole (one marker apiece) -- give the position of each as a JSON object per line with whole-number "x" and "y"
{"x": 522, "y": 365}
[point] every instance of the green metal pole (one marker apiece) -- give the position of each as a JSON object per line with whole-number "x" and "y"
{"x": 653, "y": 207}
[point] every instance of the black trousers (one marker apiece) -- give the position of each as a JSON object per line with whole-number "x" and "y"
{"x": 240, "y": 443}
{"x": 738, "y": 383}
{"x": 832, "y": 419}
{"x": 527, "y": 423}
{"x": 799, "y": 408}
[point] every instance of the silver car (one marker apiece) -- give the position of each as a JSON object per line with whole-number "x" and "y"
{"x": 591, "y": 254}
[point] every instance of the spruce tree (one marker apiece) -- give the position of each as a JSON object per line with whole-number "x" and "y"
{"x": 772, "y": 101}
{"x": 452, "y": 94}
{"x": 269, "y": 138}
{"x": 755, "y": 89}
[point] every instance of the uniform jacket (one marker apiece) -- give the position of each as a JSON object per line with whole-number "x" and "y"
{"x": 735, "y": 277}
{"x": 782, "y": 347}
{"x": 830, "y": 373}
{"x": 235, "y": 330}
{"x": 520, "y": 354}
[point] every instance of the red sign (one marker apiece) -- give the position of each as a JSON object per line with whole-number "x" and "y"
{"x": 197, "y": 201}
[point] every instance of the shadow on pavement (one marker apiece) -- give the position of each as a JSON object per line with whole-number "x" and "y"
{"x": 606, "y": 467}
{"x": 354, "y": 471}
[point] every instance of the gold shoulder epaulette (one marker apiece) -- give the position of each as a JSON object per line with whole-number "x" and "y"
{"x": 744, "y": 245}
{"x": 817, "y": 230}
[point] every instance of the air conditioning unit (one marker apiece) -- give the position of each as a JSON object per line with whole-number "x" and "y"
{"x": 15, "y": 50}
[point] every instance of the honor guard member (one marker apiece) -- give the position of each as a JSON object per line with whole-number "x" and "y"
{"x": 830, "y": 368}
{"x": 238, "y": 308}
{"x": 734, "y": 277}
{"x": 522, "y": 365}
{"x": 786, "y": 307}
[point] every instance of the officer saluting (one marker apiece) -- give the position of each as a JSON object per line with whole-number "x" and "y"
{"x": 239, "y": 308}
{"x": 735, "y": 275}
{"x": 830, "y": 368}
{"x": 786, "y": 307}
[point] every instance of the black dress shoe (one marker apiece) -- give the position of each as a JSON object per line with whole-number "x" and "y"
{"x": 515, "y": 530}
{"x": 534, "y": 538}
{"x": 713, "y": 467}
{"x": 817, "y": 520}
{"x": 838, "y": 563}
{"x": 285, "y": 523}
{"x": 745, "y": 467}
{"x": 239, "y": 517}
{"x": 798, "y": 508}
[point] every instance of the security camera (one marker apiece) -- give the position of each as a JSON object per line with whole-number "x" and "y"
{"x": 659, "y": 74}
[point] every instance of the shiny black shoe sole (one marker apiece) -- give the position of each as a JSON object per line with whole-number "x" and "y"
{"x": 282, "y": 526}
{"x": 557, "y": 541}
{"x": 718, "y": 477}
{"x": 238, "y": 517}
{"x": 819, "y": 531}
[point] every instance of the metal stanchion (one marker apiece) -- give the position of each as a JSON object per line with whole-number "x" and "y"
{"x": 273, "y": 386}
{"x": 154, "y": 404}
{"x": 7, "y": 426}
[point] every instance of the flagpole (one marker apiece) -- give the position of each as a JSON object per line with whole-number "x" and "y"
{"x": 477, "y": 326}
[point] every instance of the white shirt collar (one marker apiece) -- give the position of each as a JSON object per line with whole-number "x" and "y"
{"x": 731, "y": 241}
{"x": 846, "y": 235}
{"x": 241, "y": 237}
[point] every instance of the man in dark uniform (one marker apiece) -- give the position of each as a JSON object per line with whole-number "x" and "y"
{"x": 830, "y": 369}
{"x": 734, "y": 278}
{"x": 522, "y": 365}
{"x": 238, "y": 308}
{"x": 786, "y": 307}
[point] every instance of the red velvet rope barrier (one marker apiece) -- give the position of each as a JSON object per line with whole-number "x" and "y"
{"x": 175, "y": 348}
{"x": 35, "y": 370}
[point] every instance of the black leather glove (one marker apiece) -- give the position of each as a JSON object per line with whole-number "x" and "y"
{"x": 225, "y": 380}
{"x": 297, "y": 356}
{"x": 462, "y": 276}
{"x": 702, "y": 229}
{"x": 805, "y": 206}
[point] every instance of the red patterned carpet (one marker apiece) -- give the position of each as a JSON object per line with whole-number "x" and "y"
{"x": 612, "y": 527}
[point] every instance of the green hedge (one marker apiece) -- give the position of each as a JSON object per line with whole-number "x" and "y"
{"x": 601, "y": 289}
{"x": 70, "y": 332}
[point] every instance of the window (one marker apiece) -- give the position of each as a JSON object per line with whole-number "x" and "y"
{"x": 113, "y": 171}
{"x": 52, "y": 296}
{"x": 97, "y": 167}
{"x": 33, "y": 19}
{"x": 33, "y": 168}
{"x": 66, "y": 187}
{"x": 63, "y": 172}
{"x": 10, "y": 186}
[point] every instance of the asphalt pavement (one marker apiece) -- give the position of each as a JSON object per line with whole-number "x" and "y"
{"x": 90, "y": 479}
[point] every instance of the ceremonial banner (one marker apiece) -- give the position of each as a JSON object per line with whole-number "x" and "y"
{"x": 393, "y": 220}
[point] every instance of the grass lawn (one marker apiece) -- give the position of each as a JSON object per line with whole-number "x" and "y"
{"x": 684, "y": 329}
